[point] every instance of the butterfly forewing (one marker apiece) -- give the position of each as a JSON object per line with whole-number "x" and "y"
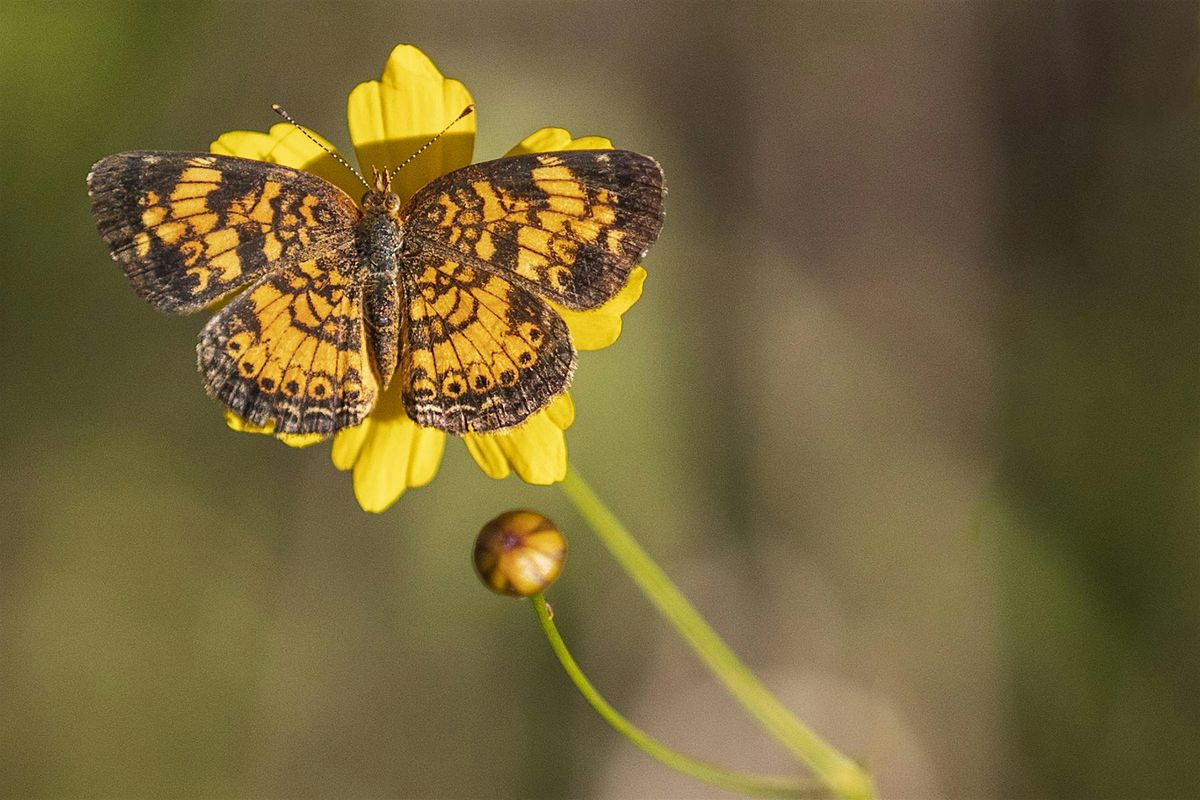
{"x": 568, "y": 226}
{"x": 188, "y": 228}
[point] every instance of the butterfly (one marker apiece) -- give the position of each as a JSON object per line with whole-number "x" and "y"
{"x": 331, "y": 301}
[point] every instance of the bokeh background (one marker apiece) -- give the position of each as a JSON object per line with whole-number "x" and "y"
{"x": 909, "y": 409}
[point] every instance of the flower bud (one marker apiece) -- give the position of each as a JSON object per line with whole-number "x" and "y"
{"x": 519, "y": 553}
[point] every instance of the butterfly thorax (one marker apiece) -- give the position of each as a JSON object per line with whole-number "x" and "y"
{"x": 380, "y": 234}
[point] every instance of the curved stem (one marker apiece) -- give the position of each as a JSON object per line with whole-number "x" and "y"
{"x": 843, "y": 777}
{"x": 728, "y": 779}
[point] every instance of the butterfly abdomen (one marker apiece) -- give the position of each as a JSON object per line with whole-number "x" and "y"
{"x": 379, "y": 239}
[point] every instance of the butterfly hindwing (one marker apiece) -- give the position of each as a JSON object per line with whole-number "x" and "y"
{"x": 568, "y": 225}
{"x": 292, "y": 349}
{"x": 188, "y": 228}
{"x": 479, "y": 353}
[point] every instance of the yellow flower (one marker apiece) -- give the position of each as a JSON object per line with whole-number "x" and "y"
{"x": 389, "y": 119}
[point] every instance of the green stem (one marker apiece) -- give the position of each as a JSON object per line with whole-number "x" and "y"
{"x": 843, "y": 777}
{"x": 734, "y": 781}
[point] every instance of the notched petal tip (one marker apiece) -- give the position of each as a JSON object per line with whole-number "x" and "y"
{"x": 536, "y": 449}
{"x": 347, "y": 444}
{"x": 236, "y": 423}
{"x": 391, "y": 118}
{"x": 407, "y": 62}
{"x": 388, "y": 454}
{"x": 599, "y": 327}
{"x": 546, "y": 140}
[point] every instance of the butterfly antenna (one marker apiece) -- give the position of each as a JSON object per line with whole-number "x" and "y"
{"x": 392, "y": 173}
{"x": 278, "y": 109}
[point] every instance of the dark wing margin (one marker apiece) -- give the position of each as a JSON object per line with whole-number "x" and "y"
{"x": 188, "y": 228}
{"x": 568, "y": 226}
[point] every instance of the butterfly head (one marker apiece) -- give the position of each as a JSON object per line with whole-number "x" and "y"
{"x": 381, "y": 199}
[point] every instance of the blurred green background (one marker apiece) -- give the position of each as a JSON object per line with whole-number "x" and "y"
{"x": 909, "y": 409}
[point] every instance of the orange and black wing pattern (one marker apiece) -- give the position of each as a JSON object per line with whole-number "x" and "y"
{"x": 292, "y": 350}
{"x": 189, "y": 228}
{"x": 479, "y": 353}
{"x": 461, "y": 307}
{"x": 568, "y": 226}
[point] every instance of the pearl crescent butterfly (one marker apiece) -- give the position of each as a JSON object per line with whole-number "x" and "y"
{"x": 332, "y": 301}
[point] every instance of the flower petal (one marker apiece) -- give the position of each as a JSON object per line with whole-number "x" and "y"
{"x": 284, "y": 144}
{"x": 290, "y": 439}
{"x": 544, "y": 140}
{"x": 561, "y": 411}
{"x": 547, "y": 140}
{"x": 600, "y": 327}
{"x": 396, "y": 455}
{"x": 388, "y": 453}
{"x": 390, "y": 119}
{"x": 488, "y": 455}
{"x": 536, "y": 450}
{"x": 347, "y": 444}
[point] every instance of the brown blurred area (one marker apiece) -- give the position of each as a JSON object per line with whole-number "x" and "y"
{"x": 909, "y": 409}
